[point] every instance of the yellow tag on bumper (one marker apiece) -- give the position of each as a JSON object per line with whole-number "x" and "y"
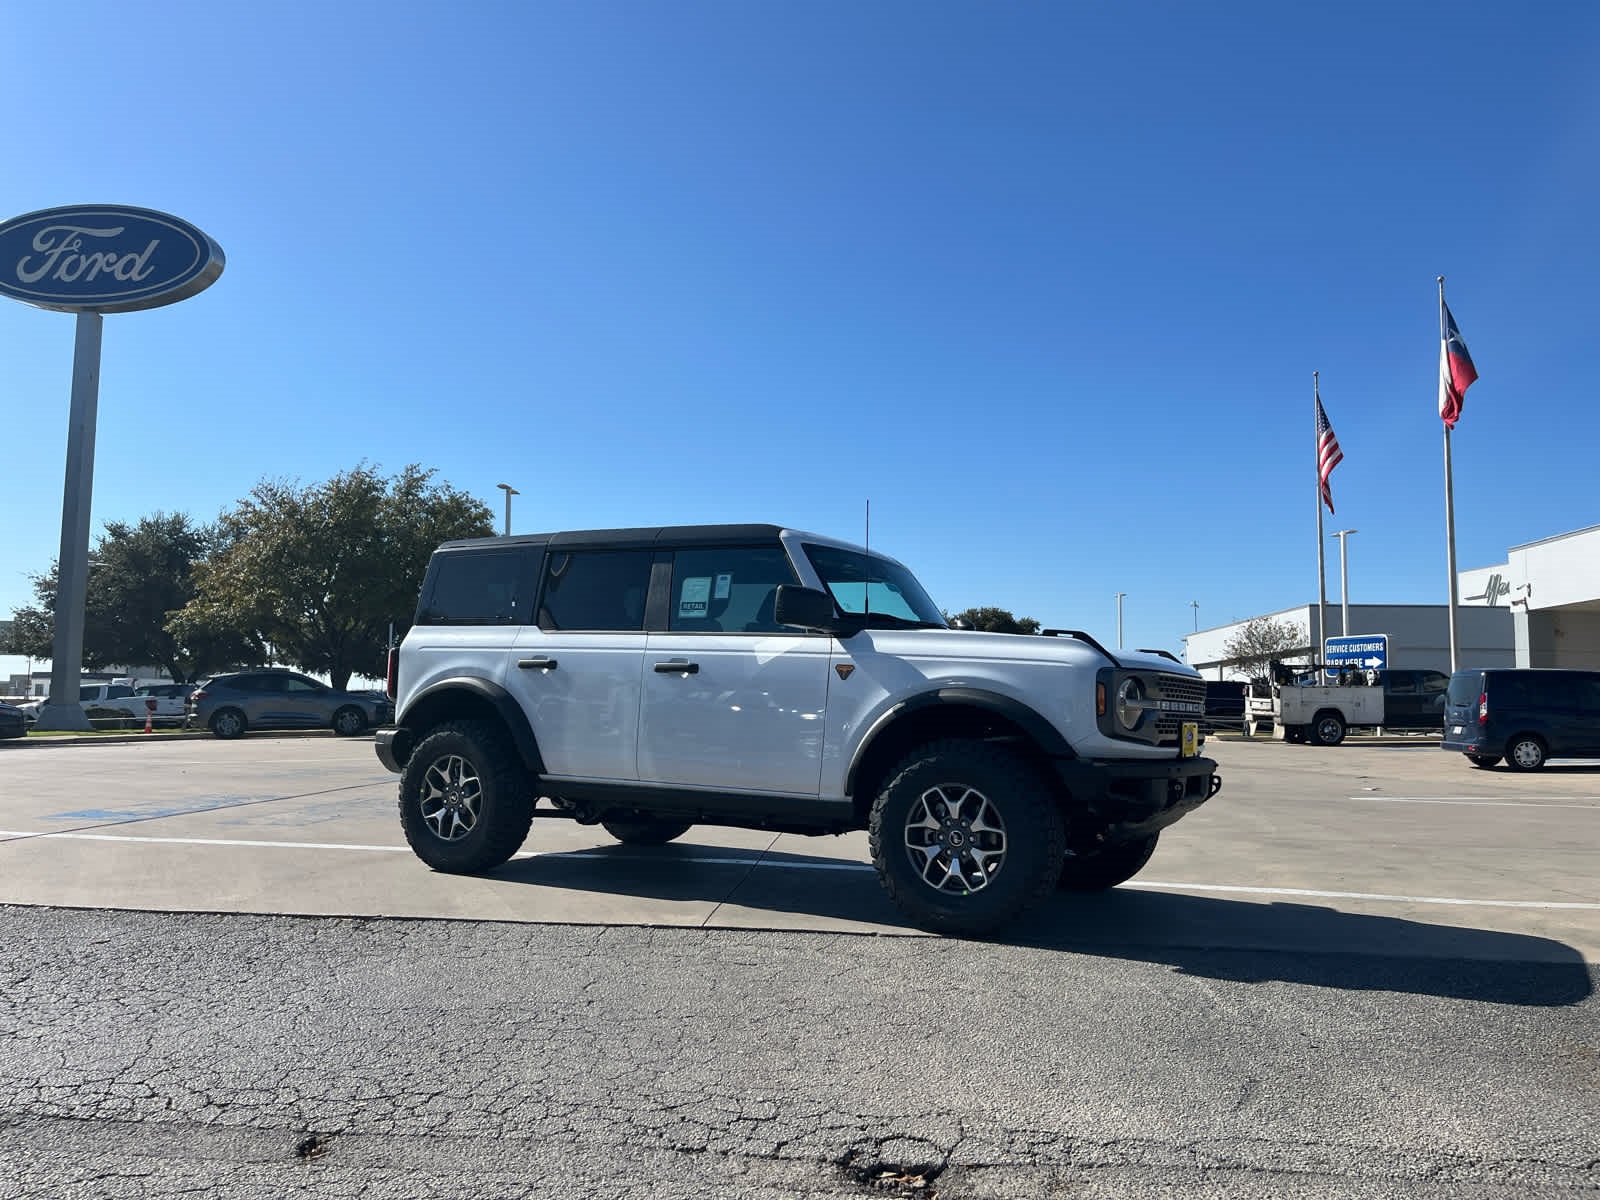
{"x": 1191, "y": 739}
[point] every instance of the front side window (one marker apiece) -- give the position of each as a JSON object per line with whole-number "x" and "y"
{"x": 728, "y": 591}
{"x": 299, "y": 683}
{"x": 595, "y": 590}
{"x": 869, "y": 586}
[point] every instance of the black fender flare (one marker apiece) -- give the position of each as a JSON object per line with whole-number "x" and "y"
{"x": 1043, "y": 734}
{"x": 505, "y": 705}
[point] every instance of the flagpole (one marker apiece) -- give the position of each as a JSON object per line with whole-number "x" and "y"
{"x": 1316, "y": 473}
{"x": 1449, "y": 502}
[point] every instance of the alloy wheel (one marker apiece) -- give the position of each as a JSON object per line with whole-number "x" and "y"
{"x": 452, "y": 798}
{"x": 955, "y": 839}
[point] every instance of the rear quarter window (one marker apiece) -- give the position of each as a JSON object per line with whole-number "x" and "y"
{"x": 478, "y": 587}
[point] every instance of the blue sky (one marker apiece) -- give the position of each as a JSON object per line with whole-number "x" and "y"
{"x": 1046, "y": 283}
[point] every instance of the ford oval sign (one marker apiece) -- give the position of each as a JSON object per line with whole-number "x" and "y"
{"x": 104, "y": 258}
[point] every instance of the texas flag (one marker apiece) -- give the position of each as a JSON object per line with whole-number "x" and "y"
{"x": 1456, "y": 372}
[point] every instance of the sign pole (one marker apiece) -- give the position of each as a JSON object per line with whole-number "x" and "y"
{"x": 62, "y": 710}
{"x": 92, "y": 260}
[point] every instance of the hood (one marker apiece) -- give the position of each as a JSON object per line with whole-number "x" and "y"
{"x": 967, "y": 643}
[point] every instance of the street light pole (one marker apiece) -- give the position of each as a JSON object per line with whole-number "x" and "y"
{"x": 1344, "y": 581}
{"x": 1195, "y": 604}
{"x": 510, "y": 492}
{"x": 1120, "y": 595}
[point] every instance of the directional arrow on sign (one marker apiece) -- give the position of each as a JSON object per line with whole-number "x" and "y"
{"x": 1374, "y": 661}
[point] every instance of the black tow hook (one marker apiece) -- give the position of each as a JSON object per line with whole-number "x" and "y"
{"x": 1216, "y": 786}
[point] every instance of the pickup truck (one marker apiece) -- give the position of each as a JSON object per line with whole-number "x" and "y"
{"x": 171, "y": 701}
{"x": 1321, "y": 714}
{"x": 97, "y": 700}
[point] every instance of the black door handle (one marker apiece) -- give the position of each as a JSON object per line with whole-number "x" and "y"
{"x": 537, "y": 664}
{"x": 677, "y": 667}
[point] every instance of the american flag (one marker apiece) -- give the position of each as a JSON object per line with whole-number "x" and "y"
{"x": 1329, "y": 455}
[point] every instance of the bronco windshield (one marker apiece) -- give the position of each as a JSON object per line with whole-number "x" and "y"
{"x": 863, "y": 585}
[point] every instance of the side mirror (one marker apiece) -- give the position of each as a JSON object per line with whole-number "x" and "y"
{"x": 805, "y": 608}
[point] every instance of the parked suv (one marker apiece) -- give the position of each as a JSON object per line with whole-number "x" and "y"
{"x": 1524, "y": 716}
{"x": 648, "y": 680}
{"x": 276, "y": 699}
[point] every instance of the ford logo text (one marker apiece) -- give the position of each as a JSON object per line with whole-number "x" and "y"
{"x": 104, "y": 258}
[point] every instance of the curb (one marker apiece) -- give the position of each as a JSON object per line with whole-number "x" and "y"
{"x": 122, "y": 739}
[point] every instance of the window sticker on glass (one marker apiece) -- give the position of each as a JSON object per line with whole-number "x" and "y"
{"x": 724, "y": 583}
{"x": 694, "y": 599}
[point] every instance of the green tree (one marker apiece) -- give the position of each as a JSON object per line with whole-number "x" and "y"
{"x": 997, "y": 620}
{"x": 319, "y": 573}
{"x": 139, "y": 576}
{"x": 1259, "y": 642}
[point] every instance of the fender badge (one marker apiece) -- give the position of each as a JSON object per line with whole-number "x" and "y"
{"x": 844, "y": 670}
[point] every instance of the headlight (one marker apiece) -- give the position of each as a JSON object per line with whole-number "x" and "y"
{"x": 1130, "y": 702}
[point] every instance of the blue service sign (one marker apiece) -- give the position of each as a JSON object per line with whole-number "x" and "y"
{"x": 104, "y": 258}
{"x": 1367, "y": 651}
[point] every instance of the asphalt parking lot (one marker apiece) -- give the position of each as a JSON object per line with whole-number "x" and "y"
{"x": 1394, "y": 848}
{"x": 1366, "y": 971}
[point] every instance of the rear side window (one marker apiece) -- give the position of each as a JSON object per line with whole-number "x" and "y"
{"x": 728, "y": 591}
{"x": 595, "y": 590}
{"x": 476, "y": 587}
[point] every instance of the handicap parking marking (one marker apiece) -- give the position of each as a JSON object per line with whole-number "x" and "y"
{"x": 211, "y": 804}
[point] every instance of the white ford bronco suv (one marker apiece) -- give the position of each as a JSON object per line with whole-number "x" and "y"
{"x": 650, "y": 680}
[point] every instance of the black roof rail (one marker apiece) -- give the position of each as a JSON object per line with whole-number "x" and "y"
{"x": 1163, "y": 654}
{"x": 1082, "y": 637}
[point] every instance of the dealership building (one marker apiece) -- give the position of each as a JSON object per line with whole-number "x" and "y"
{"x": 1539, "y": 608}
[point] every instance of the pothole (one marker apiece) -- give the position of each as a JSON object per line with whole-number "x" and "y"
{"x": 894, "y": 1179}
{"x": 313, "y": 1146}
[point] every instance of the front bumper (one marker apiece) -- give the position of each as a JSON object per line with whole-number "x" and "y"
{"x": 1129, "y": 798}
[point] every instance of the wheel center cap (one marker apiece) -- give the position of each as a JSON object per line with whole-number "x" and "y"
{"x": 955, "y": 839}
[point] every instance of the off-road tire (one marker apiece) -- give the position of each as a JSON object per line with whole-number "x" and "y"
{"x": 465, "y": 773}
{"x": 1003, "y": 799}
{"x": 1104, "y": 869}
{"x": 644, "y": 830}
{"x": 228, "y": 723}
{"x": 1483, "y": 761}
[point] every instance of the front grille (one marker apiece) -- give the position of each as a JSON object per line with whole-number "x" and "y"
{"x": 1179, "y": 689}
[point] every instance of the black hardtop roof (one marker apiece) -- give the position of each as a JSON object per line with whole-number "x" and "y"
{"x": 621, "y": 539}
{"x": 1526, "y": 671}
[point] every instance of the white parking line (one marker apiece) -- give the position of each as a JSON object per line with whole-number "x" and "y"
{"x": 789, "y": 863}
{"x": 1472, "y": 800}
{"x": 1263, "y": 891}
